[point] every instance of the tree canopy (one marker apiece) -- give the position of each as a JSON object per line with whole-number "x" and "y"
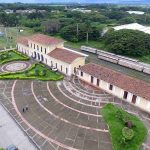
{"x": 128, "y": 42}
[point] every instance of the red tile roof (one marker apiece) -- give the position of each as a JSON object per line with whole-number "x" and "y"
{"x": 135, "y": 86}
{"x": 44, "y": 39}
{"x": 23, "y": 40}
{"x": 64, "y": 55}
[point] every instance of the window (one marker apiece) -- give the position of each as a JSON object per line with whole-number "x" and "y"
{"x": 38, "y": 56}
{"x": 45, "y": 50}
{"x": 134, "y": 99}
{"x": 31, "y": 45}
{"x": 66, "y": 70}
{"x": 37, "y": 47}
{"x": 110, "y": 87}
{"x": 41, "y": 48}
{"x": 97, "y": 82}
{"x": 42, "y": 58}
{"x": 56, "y": 65}
{"x": 61, "y": 67}
{"x": 51, "y": 63}
{"x": 92, "y": 78}
{"x": 125, "y": 95}
{"x": 74, "y": 69}
{"x": 34, "y": 46}
{"x": 81, "y": 74}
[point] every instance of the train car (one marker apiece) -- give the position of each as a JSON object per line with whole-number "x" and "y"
{"x": 108, "y": 58}
{"x": 88, "y": 49}
{"x": 130, "y": 64}
{"x": 146, "y": 70}
{"x": 100, "y": 52}
{"x": 127, "y": 58}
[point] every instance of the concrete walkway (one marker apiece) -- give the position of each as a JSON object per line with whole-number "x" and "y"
{"x": 12, "y": 134}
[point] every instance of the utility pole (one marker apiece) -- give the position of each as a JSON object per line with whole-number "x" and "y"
{"x": 6, "y": 36}
{"x": 146, "y": 15}
{"x": 77, "y": 30}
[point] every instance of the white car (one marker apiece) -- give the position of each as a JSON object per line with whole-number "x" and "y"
{"x": 11, "y": 147}
{"x": 54, "y": 69}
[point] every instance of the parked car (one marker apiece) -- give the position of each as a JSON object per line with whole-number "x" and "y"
{"x": 54, "y": 69}
{"x": 12, "y": 147}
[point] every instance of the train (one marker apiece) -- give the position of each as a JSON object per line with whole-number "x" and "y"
{"x": 118, "y": 59}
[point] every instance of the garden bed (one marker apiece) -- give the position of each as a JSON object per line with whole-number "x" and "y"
{"x": 127, "y": 131}
{"x": 37, "y": 72}
{"x": 12, "y": 55}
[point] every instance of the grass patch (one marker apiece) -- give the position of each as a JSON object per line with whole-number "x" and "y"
{"x": 12, "y": 55}
{"x": 145, "y": 59}
{"x": 13, "y": 33}
{"x": 116, "y": 125}
{"x": 37, "y": 72}
{"x": 94, "y": 44}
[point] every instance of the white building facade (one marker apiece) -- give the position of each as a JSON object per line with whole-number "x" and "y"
{"x": 122, "y": 86}
{"x": 51, "y": 52}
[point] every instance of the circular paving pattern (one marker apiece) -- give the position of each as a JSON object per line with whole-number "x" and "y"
{"x": 15, "y": 66}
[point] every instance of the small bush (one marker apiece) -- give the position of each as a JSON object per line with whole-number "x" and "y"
{"x": 127, "y": 133}
{"x": 44, "y": 72}
{"x": 26, "y": 73}
{"x": 37, "y": 72}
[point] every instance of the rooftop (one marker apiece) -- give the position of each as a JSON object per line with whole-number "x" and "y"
{"x": 23, "y": 40}
{"x": 136, "y": 12}
{"x": 64, "y": 55}
{"x": 134, "y": 26}
{"x": 135, "y": 86}
{"x": 44, "y": 39}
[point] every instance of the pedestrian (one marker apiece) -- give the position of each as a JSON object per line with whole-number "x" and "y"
{"x": 26, "y": 107}
{"x": 23, "y": 110}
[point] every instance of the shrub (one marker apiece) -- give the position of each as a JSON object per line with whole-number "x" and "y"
{"x": 36, "y": 71}
{"x": 123, "y": 141}
{"x": 26, "y": 73}
{"x": 44, "y": 72}
{"x": 127, "y": 133}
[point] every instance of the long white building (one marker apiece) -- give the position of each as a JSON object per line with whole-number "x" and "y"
{"x": 52, "y": 52}
{"x": 132, "y": 90}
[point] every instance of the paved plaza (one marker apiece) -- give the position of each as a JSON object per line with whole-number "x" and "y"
{"x": 63, "y": 115}
{"x": 12, "y": 134}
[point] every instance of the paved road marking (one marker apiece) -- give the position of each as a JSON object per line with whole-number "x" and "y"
{"x": 34, "y": 129}
{"x": 68, "y": 106}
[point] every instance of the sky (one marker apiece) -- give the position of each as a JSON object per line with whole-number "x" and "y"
{"x": 79, "y": 1}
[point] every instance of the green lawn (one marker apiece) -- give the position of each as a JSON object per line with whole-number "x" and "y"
{"x": 12, "y": 55}
{"x": 94, "y": 44}
{"x": 12, "y": 35}
{"x": 32, "y": 74}
{"x": 116, "y": 125}
{"x": 145, "y": 59}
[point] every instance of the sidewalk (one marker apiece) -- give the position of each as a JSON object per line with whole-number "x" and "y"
{"x": 10, "y": 133}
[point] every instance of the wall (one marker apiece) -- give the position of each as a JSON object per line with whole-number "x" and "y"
{"x": 76, "y": 63}
{"x": 59, "y": 64}
{"x": 49, "y": 48}
{"x": 116, "y": 91}
{"x": 22, "y": 48}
